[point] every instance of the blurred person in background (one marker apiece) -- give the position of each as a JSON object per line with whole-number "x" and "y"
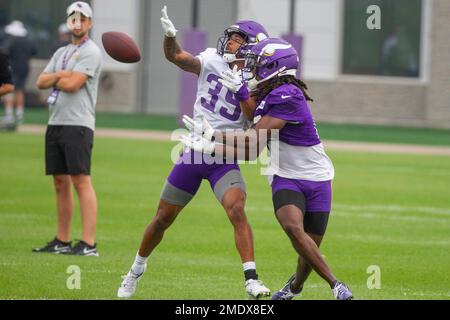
{"x": 6, "y": 85}
{"x": 20, "y": 48}
{"x": 64, "y": 37}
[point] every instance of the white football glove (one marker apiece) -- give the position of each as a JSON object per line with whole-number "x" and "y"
{"x": 167, "y": 25}
{"x": 202, "y": 129}
{"x": 231, "y": 79}
{"x": 198, "y": 143}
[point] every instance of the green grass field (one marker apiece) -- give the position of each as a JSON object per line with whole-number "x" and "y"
{"x": 389, "y": 210}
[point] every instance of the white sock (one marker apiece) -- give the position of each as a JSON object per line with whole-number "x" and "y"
{"x": 19, "y": 112}
{"x": 249, "y": 266}
{"x": 8, "y": 112}
{"x": 139, "y": 264}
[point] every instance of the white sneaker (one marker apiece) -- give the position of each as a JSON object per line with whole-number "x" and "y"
{"x": 342, "y": 292}
{"x": 9, "y": 119}
{"x": 256, "y": 289}
{"x": 129, "y": 284}
{"x": 19, "y": 120}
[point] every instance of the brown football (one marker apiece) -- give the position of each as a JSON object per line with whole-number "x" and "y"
{"x": 121, "y": 47}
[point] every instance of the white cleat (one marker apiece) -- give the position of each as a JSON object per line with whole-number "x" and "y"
{"x": 256, "y": 289}
{"x": 129, "y": 284}
{"x": 342, "y": 292}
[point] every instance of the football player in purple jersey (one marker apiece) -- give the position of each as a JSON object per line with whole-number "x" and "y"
{"x": 300, "y": 172}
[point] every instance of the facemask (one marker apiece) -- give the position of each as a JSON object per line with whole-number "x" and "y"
{"x": 252, "y": 84}
{"x": 230, "y": 57}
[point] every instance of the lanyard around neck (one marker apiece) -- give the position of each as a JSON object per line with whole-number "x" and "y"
{"x": 67, "y": 57}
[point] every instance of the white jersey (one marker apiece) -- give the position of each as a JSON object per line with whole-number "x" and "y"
{"x": 214, "y": 102}
{"x": 298, "y": 162}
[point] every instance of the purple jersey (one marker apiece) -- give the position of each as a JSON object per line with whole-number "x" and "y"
{"x": 287, "y": 102}
{"x": 298, "y": 152}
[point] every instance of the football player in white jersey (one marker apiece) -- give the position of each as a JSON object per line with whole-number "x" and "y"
{"x": 220, "y": 107}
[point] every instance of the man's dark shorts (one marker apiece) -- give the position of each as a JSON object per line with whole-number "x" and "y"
{"x": 20, "y": 78}
{"x": 68, "y": 150}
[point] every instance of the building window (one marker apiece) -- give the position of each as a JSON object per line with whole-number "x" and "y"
{"x": 41, "y": 19}
{"x": 394, "y": 50}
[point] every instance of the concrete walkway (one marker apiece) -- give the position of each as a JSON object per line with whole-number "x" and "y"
{"x": 329, "y": 144}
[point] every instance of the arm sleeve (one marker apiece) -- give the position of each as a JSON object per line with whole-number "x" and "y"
{"x": 89, "y": 63}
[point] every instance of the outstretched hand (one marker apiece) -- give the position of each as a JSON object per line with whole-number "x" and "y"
{"x": 167, "y": 25}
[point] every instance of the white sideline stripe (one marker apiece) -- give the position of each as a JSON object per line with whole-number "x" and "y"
{"x": 377, "y": 216}
{"x": 338, "y": 210}
{"x": 386, "y": 148}
{"x": 13, "y": 264}
{"x": 393, "y": 208}
{"x": 329, "y": 144}
{"x": 366, "y": 238}
{"x": 109, "y": 133}
{"x": 377, "y": 208}
{"x": 22, "y": 216}
{"x": 8, "y": 202}
{"x": 424, "y": 294}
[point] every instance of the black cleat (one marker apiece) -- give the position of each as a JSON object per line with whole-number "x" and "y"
{"x": 83, "y": 249}
{"x": 55, "y": 246}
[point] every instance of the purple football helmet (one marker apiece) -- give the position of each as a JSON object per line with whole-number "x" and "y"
{"x": 251, "y": 31}
{"x": 267, "y": 59}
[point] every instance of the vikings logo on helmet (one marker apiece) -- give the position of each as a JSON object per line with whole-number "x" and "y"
{"x": 270, "y": 49}
{"x": 267, "y": 59}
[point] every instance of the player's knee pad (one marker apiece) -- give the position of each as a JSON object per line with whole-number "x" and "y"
{"x": 316, "y": 222}
{"x": 286, "y": 197}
